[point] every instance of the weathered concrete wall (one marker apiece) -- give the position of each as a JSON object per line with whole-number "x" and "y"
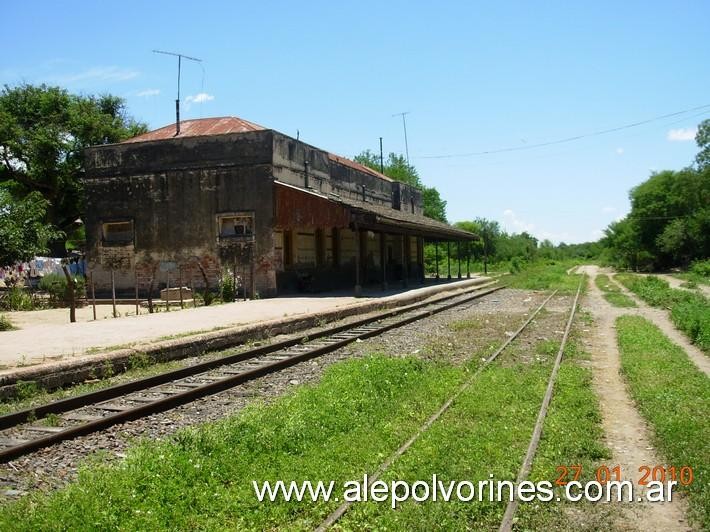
{"x": 289, "y": 159}
{"x": 173, "y": 191}
{"x": 335, "y": 176}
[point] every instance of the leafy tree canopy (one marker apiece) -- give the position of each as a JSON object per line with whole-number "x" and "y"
{"x": 397, "y": 168}
{"x": 669, "y": 222}
{"x": 23, "y": 232}
{"x": 43, "y": 133}
{"x": 702, "y": 138}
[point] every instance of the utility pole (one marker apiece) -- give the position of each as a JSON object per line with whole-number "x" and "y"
{"x": 177, "y": 102}
{"x": 404, "y": 124}
{"x": 382, "y": 160}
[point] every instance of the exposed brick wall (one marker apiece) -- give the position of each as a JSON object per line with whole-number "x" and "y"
{"x": 117, "y": 257}
{"x": 189, "y": 270}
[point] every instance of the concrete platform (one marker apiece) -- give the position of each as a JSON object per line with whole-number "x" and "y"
{"x": 43, "y": 342}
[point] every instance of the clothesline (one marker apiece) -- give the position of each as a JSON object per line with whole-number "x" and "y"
{"x": 35, "y": 269}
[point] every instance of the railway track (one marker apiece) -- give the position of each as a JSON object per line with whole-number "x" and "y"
{"x": 29, "y": 430}
{"x": 507, "y": 521}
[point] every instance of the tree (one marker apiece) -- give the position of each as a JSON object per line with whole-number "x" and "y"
{"x": 489, "y": 232}
{"x": 43, "y": 133}
{"x": 671, "y": 214}
{"x": 669, "y": 222}
{"x": 434, "y": 206}
{"x": 702, "y": 138}
{"x": 23, "y": 232}
{"x": 397, "y": 168}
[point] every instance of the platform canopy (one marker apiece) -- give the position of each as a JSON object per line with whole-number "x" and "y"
{"x": 296, "y": 206}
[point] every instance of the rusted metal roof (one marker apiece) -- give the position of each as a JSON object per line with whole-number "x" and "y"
{"x": 357, "y": 166}
{"x": 200, "y": 127}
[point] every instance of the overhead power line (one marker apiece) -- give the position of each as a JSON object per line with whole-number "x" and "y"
{"x": 564, "y": 140}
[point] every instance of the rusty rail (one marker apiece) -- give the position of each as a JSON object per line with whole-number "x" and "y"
{"x": 344, "y": 335}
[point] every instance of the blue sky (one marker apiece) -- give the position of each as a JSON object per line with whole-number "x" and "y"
{"x": 474, "y": 76}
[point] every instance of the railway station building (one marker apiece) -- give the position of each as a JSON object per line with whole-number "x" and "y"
{"x": 225, "y": 196}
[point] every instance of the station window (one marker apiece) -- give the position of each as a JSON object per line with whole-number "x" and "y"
{"x": 236, "y": 225}
{"x": 117, "y": 232}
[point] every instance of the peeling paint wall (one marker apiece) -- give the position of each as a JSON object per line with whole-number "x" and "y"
{"x": 173, "y": 191}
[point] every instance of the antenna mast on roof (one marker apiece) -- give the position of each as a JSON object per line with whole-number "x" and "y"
{"x": 404, "y": 123}
{"x": 177, "y": 102}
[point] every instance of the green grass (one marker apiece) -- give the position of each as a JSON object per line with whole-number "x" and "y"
{"x": 203, "y": 478}
{"x": 542, "y": 275}
{"x": 346, "y": 425}
{"x": 612, "y": 293}
{"x": 605, "y": 284}
{"x": 619, "y": 300}
{"x": 572, "y": 434}
{"x": 690, "y": 312}
{"x": 674, "y": 396}
{"x": 479, "y": 436}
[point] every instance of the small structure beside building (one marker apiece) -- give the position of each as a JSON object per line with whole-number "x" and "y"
{"x": 229, "y": 197}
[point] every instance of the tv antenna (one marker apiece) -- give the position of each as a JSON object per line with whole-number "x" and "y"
{"x": 177, "y": 102}
{"x": 404, "y": 124}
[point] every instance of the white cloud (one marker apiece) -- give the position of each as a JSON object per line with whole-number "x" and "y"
{"x": 564, "y": 236}
{"x": 683, "y": 134}
{"x": 515, "y": 224}
{"x": 109, "y": 73}
{"x": 619, "y": 151}
{"x": 200, "y": 97}
{"x": 147, "y": 93}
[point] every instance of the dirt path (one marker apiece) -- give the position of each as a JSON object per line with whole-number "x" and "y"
{"x": 676, "y": 283}
{"x": 626, "y": 433}
{"x": 661, "y": 320}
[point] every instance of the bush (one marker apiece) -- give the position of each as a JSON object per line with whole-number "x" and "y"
{"x": 701, "y": 268}
{"x": 5, "y": 324}
{"x": 656, "y": 292}
{"x": 56, "y": 285}
{"x": 692, "y": 316}
{"x": 17, "y": 298}
{"x": 516, "y": 265}
{"x": 227, "y": 289}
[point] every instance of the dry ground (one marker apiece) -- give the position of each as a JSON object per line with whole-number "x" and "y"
{"x": 626, "y": 433}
